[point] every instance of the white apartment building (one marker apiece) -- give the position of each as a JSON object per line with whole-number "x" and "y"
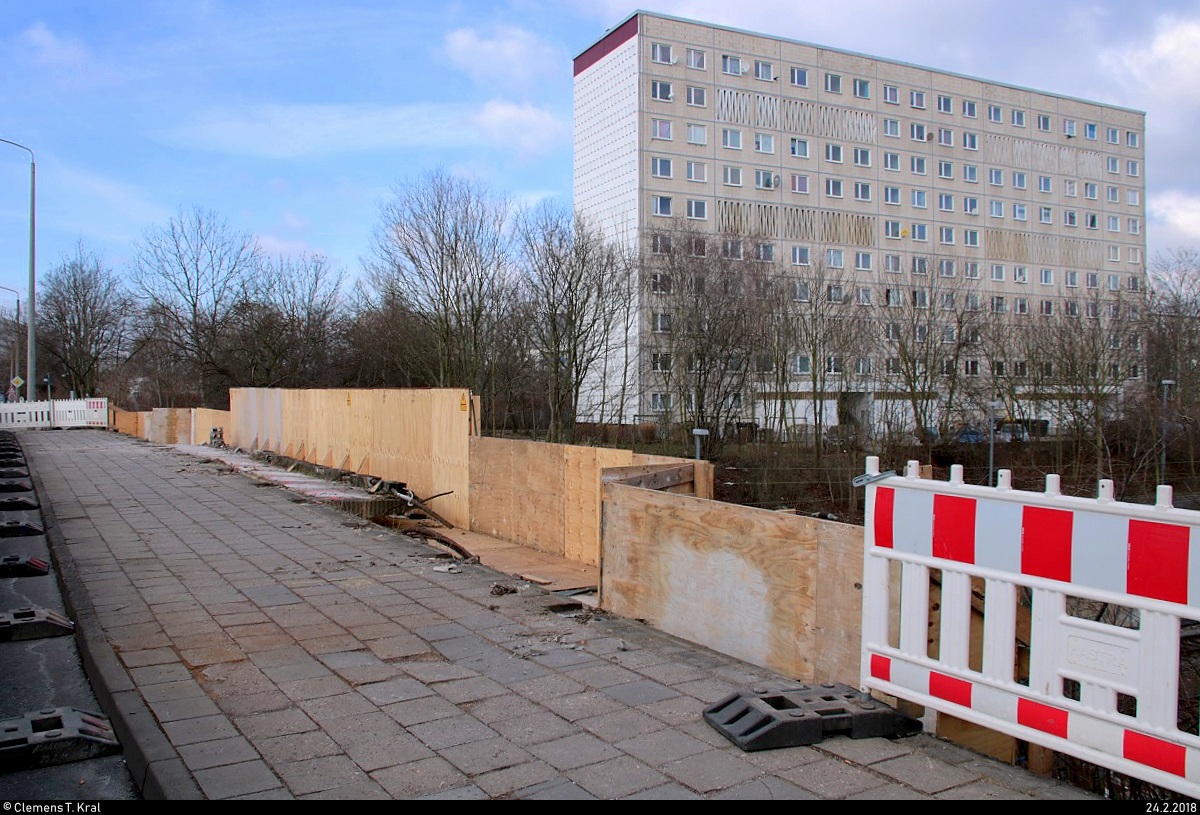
{"x": 889, "y": 175}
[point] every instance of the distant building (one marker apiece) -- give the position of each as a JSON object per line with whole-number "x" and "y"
{"x": 883, "y": 184}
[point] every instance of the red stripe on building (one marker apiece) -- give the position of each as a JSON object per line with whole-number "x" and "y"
{"x": 881, "y": 667}
{"x": 1046, "y": 543}
{"x": 950, "y": 688}
{"x": 1046, "y": 718}
{"x": 1158, "y": 561}
{"x": 1162, "y": 755}
{"x": 954, "y": 528}
{"x": 611, "y": 42}
{"x": 885, "y": 504}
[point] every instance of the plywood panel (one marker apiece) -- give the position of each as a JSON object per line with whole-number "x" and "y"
{"x": 742, "y": 581}
{"x": 838, "y": 632}
{"x": 204, "y": 420}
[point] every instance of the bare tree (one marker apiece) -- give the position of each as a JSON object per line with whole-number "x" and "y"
{"x": 574, "y": 293}
{"x": 441, "y": 247}
{"x": 191, "y": 273}
{"x": 84, "y": 320}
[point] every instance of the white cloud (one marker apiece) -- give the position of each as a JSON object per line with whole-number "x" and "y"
{"x": 1161, "y": 70}
{"x": 282, "y": 247}
{"x": 511, "y": 56}
{"x": 527, "y": 129}
{"x": 1179, "y": 214}
{"x": 67, "y": 59}
{"x": 294, "y": 131}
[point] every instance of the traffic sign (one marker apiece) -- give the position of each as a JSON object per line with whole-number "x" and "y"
{"x": 17, "y": 381}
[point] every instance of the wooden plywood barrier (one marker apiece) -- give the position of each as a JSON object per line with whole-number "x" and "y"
{"x": 419, "y": 437}
{"x": 170, "y": 426}
{"x": 204, "y": 420}
{"x": 129, "y": 422}
{"x": 774, "y": 589}
{"x": 547, "y": 496}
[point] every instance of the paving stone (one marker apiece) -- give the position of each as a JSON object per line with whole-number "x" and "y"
{"x": 394, "y": 690}
{"x": 333, "y": 707}
{"x": 154, "y": 674}
{"x": 207, "y": 754}
{"x": 619, "y": 777}
{"x": 765, "y": 789}
{"x": 926, "y": 774}
{"x": 666, "y": 792}
{"x": 425, "y": 709}
{"x": 473, "y": 689}
{"x": 444, "y": 733}
{"x": 566, "y": 658}
{"x": 864, "y": 751}
{"x": 419, "y": 778}
{"x": 711, "y": 770}
{"x": 982, "y": 790}
{"x": 315, "y": 688}
{"x": 669, "y": 673}
{"x": 204, "y": 728}
{"x": 435, "y": 670}
{"x": 236, "y": 780}
{"x": 298, "y": 746}
{"x": 889, "y": 792}
{"x": 547, "y": 687}
{"x": 663, "y": 745}
{"x": 640, "y": 692}
{"x": 483, "y": 756}
{"x": 471, "y": 793}
{"x": 534, "y": 729}
{"x": 620, "y": 725}
{"x": 677, "y": 710}
{"x": 500, "y": 708}
{"x": 583, "y": 705}
{"x": 558, "y": 789}
{"x": 502, "y": 782}
{"x": 319, "y": 774}
{"x": 574, "y": 751}
{"x": 364, "y": 790}
{"x": 833, "y": 778}
{"x": 193, "y": 707}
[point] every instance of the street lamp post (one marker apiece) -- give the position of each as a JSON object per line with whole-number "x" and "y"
{"x": 1166, "y": 384}
{"x": 992, "y": 406}
{"x": 31, "y": 351}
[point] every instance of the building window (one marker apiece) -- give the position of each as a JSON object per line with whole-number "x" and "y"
{"x": 660, "y": 402}
{"x": 696, "y": 59}
{"x": 1112, "y": 194}
{"x": 971, "y": 270}
{"x": 996, "y": 209}
{"x": 971, "y": 141}
{"x": 660, "y": 167}
{"x": 764, "y": 180}
{"x": 1019, "y": 212}
{"x": 917, "y": 131}
{"x": 1114, "y": 252}
{"x": 1089, "y": 132}
{"x": 660, "y": 53}
{"x": 862, "y": 156}
{"x": 1046, "y": 308}
{"x": 801, "y": 365}
{"x": 833, "y": 153}
{"x": 1071, "y": 279}
{"x": 891, "y": 161}
{"x": 697, "y": 171}
{"x": 945, "y": 202}
{"x": 1046, "y": 277}
{"x": 764, "y": 252}
{"x": 971, "y": 205}
{"x": 800, "y": 148}
{"x": 891, "y": 127}
{"x": 1069, "y": 128}
{"x": 660, "y": 363}
{"x": 970, "y": 173}
{"x": 1133, "y": 168}
{"x": 662, "y": 205}
{"x": 1131, "y": 139}
{"x": 1090, "y": 190}
{"x": 998, "y": 272}
{"x": 732, "y": 176}
{"x": 800, "y": 184}
{"x": 699, "y": 247}
{"x": 920, "y": 232}
{"x": 731, "y": 65}
{"x": 1135, "y": 226}
{"x": 1114, "y": 223}
{"x": 764, "y": 143}
{"x": 945, "y": 104}
{"x": 919, "y": 199}
{"x": 891, "y": 263}
{"x": 970, "y": 109}
{"x": 833, "y": 187}
{"x": 661, "y": 91}
{"x": 697, "y": 209}
{"x": 946, "y": 169}
{"x": 1070, "y": 188}
{"x": 862, "y": 89}
{"x": 996, "y": 177}
{"x": 1018, "y": 118}
{"x": 661, "y": 129}
{"x": 863, "y": 261}
{"x": 1134, "y": 198}
{"x": 661, "y": 244}
{"x": 660, "y": 322}
{"x": 800, "y": 257}
{"x": 1043, "y": 123}
{"x": 1045, "y": 215}
{"x": 918, "y": 165}
{"x": 833, "y": 83}
{"x": 862, "y": 191}
{"x": 660, "y": 283}
{"x": 834, "y": 260}
{"x": 1114, "y": 165}
{"x": 945, "y": 137}
{"x": 891, "y": 195}
{"x": 946, "y": 235}
{"x": 697, "y": 134}
{"x": 764, "y": 71}
{"x": 994, "y": 114}
{"x": 800, "y": 77}
{"x": 731, "y": 249}
{"x": 1020, "y": 274}
{"x": 970, "y": 237}
{"x": 1070, "y": 217}
{"x": 972, "y": 367}
{"x": 1045, "y": 184}
{"x": 696, "y": 97}
{"x": 891, "y": 229}
{"x": 891, "y": 94}
{"x": 946, "y": 268}
{"x": 731, "y": 138}
{"x": 917, "y": 99}
{"x": 1018, "y": 180}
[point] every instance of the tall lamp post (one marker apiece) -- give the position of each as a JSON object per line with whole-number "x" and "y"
{"x": 31, "y": 351}
{"x": 1166, "y": 384}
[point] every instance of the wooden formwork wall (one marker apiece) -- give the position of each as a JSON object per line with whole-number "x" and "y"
{"x": 547, "y": 496}
{"x": 420, "y": 437}
{"x": 170, "y": 426}
{"x": 777, "y": 590}
{"x": 129, "y": 422}
{"x": 204, "y": 420}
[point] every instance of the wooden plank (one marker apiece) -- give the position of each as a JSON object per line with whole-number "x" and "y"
{"x": 621, "y": 475}
{"x": 581, "y": 505}
{"x": 663, "y": 477}
{"x": 836, "y": 651}
{"x": 742, "y": 581}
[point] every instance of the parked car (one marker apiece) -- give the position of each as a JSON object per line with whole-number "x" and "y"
{"x": 970, "y": 435}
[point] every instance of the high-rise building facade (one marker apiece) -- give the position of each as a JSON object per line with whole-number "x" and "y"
{"x": 884, "y": 184}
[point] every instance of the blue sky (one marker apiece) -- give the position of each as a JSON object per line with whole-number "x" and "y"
{"x": 294, "y": 119}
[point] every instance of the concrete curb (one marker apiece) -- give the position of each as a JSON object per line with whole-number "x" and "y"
{"x": 155, "y": 765}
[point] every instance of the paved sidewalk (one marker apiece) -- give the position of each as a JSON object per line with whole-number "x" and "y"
{"x": 250, "y": 644}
